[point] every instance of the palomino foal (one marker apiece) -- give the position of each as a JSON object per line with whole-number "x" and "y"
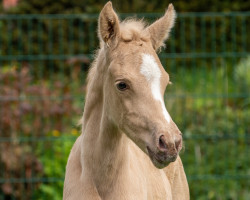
{"x": 129, "y": 144}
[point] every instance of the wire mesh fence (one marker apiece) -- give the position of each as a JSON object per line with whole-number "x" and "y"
{"x": 43, "y": 64}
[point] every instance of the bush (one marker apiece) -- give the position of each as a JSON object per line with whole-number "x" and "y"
{"x": 53, "y": 155}
{"x": 242, "y": 78}
{"x": 206, "y": 105}
{"x": 29, "y": 109}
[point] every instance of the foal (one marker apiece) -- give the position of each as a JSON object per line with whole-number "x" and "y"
{"x": 129, "y": 144}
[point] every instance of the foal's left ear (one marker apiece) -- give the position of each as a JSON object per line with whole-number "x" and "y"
{"x": 108, "y": 25}
{"x": 159, "y": 30}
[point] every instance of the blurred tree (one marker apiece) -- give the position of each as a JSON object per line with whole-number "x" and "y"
{"x": 83, "y": 31}
{"x": 94, "y": 6}
{"x": 9, "y": 3}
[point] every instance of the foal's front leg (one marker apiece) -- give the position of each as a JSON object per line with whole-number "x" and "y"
{"x": 88, "y": 191}
{"x": 76, "y": 185}
{"x": 79, "y": 188}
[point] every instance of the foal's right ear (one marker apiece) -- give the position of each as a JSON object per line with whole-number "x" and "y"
{"x": 108, "y": 26}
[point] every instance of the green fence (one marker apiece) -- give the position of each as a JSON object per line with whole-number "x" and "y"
{"x": 43, "y": 65}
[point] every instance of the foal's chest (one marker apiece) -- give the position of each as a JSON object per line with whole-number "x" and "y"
{"x": 140, "y": 183}
{"x": 140, "y": 191}
{"x": 159, "y": 187}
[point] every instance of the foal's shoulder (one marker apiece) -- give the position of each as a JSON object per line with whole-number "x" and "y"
{"x": 177, "y": 178}
{"x": 170, "y": 170}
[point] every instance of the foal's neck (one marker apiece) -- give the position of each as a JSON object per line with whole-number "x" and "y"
{"x": 113, "y": 146}
{"x": 108, "y": 160}
{"x": 104, "y": 145}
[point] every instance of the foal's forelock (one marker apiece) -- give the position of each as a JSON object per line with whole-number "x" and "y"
{"x": 133, "y": 29}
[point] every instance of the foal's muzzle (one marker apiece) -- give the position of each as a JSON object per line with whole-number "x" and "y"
{"x": 166, "y": 151}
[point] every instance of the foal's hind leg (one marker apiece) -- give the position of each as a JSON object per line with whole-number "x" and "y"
{"x": 178, "y": 181}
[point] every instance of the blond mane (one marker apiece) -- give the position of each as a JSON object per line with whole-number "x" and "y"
{"x": 133, "y": 29}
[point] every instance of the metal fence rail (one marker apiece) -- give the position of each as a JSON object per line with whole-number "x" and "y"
{"x": 43, "y": 65}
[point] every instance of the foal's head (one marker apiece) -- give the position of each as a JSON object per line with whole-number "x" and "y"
{"x": 135, "y": 82}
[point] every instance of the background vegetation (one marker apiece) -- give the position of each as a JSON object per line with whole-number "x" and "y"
{"x": 43, "y": 65}
{"x": 126, "y": 6}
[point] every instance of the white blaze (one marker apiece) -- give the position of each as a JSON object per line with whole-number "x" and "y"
{"x": 152, "y": 73}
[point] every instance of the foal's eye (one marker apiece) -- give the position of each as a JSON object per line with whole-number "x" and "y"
{"x": 122, "y": 86}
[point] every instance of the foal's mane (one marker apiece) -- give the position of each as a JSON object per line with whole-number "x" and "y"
{"x": 133, "y": 29}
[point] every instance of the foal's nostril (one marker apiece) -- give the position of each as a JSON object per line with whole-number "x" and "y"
{"x": 162, "y": 143}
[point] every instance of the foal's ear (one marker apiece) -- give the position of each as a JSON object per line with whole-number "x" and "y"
{"x": 108, "y": 25}
{"x": 159, "y": 30}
